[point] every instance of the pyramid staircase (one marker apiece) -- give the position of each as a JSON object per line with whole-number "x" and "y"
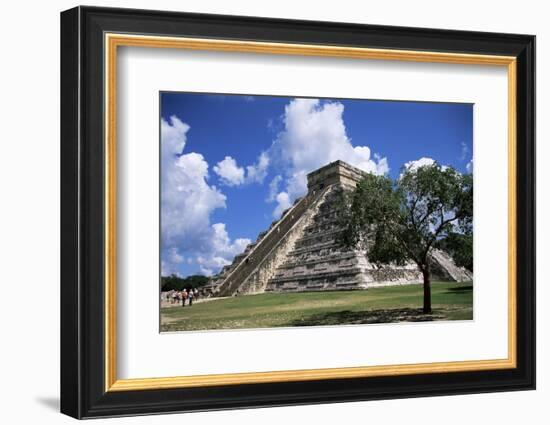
{"x": 251, "y": 270}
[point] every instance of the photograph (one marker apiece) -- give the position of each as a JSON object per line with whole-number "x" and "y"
{"x": 284, "y": 211}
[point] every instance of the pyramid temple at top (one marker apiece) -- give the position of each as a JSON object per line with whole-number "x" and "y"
{"x": 300, "y": 251}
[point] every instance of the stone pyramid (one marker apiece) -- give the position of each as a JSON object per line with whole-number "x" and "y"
{"x": 300, "y": 251}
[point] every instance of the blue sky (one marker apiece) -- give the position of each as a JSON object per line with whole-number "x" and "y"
{"x": 231, "y": 163}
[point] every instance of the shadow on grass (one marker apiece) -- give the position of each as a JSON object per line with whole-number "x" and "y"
{"x": 348, "y": 317}
{"x": 460, "y": 289}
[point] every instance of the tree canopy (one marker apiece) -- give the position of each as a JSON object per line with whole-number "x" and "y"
{"x": 403, "y": 220}
{"x": 461, "y": 248}
{"x": 174, "y": 282}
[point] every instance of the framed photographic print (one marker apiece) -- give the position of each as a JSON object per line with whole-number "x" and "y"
{"x": 261, "y": 212}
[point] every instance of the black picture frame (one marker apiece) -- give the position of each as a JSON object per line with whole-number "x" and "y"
{"x": 83, "y": 392}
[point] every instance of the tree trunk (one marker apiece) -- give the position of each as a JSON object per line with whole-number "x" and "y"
{"x": 427, "y": 291}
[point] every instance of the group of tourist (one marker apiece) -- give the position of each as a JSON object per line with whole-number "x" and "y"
{"x": 175, "y": 297}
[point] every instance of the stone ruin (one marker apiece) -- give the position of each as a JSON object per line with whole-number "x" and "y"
{"x": 300, "y": 251}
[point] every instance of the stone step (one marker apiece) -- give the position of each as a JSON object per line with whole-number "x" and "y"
{"x": 322, "y": 227}
{"x": 322, "y": 275}
{"x": 317, "y": 266}
{"x": 325, "y": 215}
{"x": 316, "y": 248}
{"x": 309, "y": 237}
{"x": 291, "y": 263}
{"x": 316, "y": 240}
{"x": 445, "y": 268}
{"x": 317, "y": 285}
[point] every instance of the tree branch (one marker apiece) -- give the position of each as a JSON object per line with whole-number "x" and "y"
{"x": 400, "y": 239}
{"x": 436, "y": 233}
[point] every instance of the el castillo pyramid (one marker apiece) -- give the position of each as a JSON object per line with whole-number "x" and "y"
{"x": 300, "y": 251}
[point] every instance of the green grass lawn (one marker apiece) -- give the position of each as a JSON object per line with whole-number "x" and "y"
{"x": 450, "y": 301}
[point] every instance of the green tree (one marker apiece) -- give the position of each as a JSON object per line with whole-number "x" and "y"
{"x": 402, "y": 220}
{"x": 174, "y": 282}
{"x": 461, "y": 247}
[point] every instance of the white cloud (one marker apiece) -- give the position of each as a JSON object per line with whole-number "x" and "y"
{"x": 416, "y": 164}
{"x": 230, "y": 173}
{"x": 256, "y": 173}
{"x": 174, "y": 136}
{"x": 283, "y": 203}
{"x": 274, "y": 188}
{"x": 382, "y": 164}
{"x": 175, "y": 257}
{"x": 470, "y": 166}
{"x": 421, "y": 162}
{"x": 224, "y": 250}
{"x": 314, "y": 134}
{"x": 464, "y": 151}
{"x": 172, "y": 259}
{"x": 187, "y": 202}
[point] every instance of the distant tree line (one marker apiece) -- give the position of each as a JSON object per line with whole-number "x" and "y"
{"x": 176, "y": 283}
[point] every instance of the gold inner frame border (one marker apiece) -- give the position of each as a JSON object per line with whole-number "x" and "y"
{"x": 111, "y": 43}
